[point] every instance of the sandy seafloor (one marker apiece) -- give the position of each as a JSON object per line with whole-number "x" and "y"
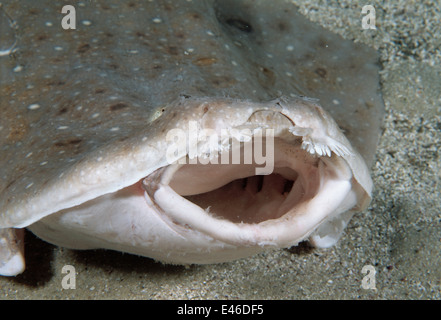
{"x": 399, "y": 235}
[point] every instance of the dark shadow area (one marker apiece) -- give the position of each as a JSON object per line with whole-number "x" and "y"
{"x": 38, "y": 256}
{"x": 303, "y": 248}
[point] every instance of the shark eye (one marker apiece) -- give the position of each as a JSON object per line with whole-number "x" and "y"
{"x": 240, "y": 25}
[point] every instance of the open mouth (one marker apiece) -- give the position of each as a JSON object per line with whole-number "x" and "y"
{"x": 248, "y": 200}
{"x": 229, "y": 202}
{"x": 188, "y": 210}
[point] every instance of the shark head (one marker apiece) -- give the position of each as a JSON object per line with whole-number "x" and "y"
{"x": 179, "y": 130}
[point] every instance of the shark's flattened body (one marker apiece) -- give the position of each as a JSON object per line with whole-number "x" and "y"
{"x": 86, "y": 112}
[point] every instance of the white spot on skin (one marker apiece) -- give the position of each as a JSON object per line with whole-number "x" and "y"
{"x": 28, "y": 155}
{"x": 86, "y": 22}
{"x": 335, "y": 101}
{"x": 157, "y": 20}
{"x": 18, "y": 68}
{"x": 234, "y": 63}
{"x": 290, "y": 48}
{"x": 43, "y": 163}
{"x": 114, "y": 129}
{"x": 63, "y": 127}
{"x": 57, "y": 48}
{"x": 95, "y": 115}
{"x": 210, "y": 33}
{"x": 29, "y": 185}
{"x": 48, "y": 24}
{"x": 34, "y": 106}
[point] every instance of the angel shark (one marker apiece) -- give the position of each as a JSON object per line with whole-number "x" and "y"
{"x": 180, "y": 130}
